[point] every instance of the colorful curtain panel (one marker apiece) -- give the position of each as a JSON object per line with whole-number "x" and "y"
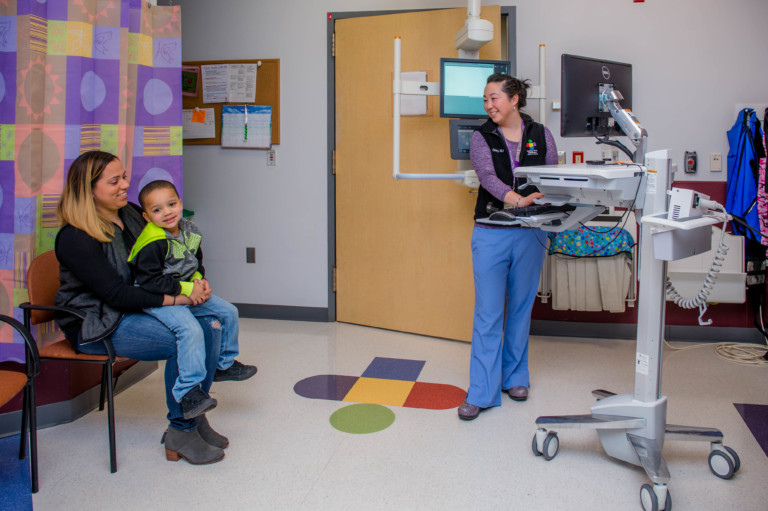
{"x": 77, "y": 75}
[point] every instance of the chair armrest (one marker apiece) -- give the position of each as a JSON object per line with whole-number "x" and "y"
{"x": 27, "y": 307}
{"x": 58, "y": 308}
{"x": 33, "y": 369}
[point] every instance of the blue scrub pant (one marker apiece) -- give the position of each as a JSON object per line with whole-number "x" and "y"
{"x": 507, "y": 264}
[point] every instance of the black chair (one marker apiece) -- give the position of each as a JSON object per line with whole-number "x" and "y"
{"x": 11, "y": 382}
{"x": 42, "y": 285}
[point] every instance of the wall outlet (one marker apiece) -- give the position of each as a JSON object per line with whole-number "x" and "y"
{"x": 715, "y": 162}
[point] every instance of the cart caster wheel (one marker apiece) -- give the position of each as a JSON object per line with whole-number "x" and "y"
{"x": 551, "y": 445}
{"x": 535, "y": 447}
{"x": 734, "y": 458}
{"x": 650, "y": 501}
{"x": 721, "y": 464}
{"x": 648, "y": 498}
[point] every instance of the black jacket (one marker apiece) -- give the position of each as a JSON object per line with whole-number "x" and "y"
{"x": 95, "y": 278}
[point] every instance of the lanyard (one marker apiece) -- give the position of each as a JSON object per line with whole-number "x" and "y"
{"x": 516, "y": 161}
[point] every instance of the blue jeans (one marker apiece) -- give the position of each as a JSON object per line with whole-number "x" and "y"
{"x": 506, "y": 264}
{"x": 190, "y": 345}
{"x": 141, "y": 337}
{"x": 229, "y": 318}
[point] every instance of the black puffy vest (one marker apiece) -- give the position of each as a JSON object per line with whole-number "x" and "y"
{"x": 533, "y": 152}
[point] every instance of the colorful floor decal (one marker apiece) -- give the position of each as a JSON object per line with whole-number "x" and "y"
{"x": 756, "y": 417}
{"x": 362, "y": 418}
{"x": 386, "y": 382}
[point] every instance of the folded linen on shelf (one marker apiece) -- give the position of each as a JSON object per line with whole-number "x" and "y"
{"x": 591, "y": 268}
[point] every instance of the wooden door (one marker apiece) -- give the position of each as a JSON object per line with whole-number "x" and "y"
{"x": 403, "y": 258}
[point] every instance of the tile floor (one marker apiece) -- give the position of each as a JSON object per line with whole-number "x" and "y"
{"x": 285, "y": 454}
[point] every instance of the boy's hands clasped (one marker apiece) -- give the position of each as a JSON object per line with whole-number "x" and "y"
{"x": 201, "y": 291}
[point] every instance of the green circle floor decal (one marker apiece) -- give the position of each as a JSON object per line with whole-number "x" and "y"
{"x": 362, "y": 418}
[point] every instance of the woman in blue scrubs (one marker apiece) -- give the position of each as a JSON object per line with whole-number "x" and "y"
{"x": 506, "y": 260}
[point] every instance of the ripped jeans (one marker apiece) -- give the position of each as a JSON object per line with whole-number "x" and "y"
{"x": 191, "y": 358}
{"x": 139, "y": 336}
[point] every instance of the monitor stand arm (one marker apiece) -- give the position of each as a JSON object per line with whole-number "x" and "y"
{"x": 610, "y": 101}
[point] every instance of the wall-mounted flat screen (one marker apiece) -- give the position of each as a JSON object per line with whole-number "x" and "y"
{"x": 462, "y": 82}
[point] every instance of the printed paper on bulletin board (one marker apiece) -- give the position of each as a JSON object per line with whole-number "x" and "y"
{"x": 267, "y": 94}
{"x": 241, "y": 130}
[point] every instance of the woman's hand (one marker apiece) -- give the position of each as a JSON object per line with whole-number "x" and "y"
{"x": 528, "y": 200}
{"x": 183, "y": 300}
{"x": 176, "y": 300}
{"x": 516, "y": 200}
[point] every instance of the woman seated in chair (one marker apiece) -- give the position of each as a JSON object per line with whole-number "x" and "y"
{"x": 99, "y": 228}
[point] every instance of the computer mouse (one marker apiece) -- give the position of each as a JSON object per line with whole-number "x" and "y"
{"x": 502, "y": 214}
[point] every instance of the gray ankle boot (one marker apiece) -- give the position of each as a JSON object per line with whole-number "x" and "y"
{"x": 209, "y": 435}
{"x": 190, "y": 446}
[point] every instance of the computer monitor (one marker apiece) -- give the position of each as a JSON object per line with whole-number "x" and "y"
{"x": 461, "y": 131}
{"x": 462, "y": 82}
{"x": 580, "y": 83}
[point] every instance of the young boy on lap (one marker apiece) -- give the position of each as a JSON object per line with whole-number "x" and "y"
{"x": 167, "y": 259}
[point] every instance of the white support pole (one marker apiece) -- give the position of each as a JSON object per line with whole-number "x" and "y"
{"x": 540, "y": 91}
{"x": 542, "y": 85}
{"x": 396, "y": 111}
{"x": 473, "y": 8}
{"x": 651, "y": 302}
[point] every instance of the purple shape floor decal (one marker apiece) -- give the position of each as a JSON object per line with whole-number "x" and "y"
{"x": 756, "y": 417}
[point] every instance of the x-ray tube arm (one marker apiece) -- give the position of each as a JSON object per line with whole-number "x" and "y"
{"x": 397, "y": 91}
{"x": 475, "y": 33}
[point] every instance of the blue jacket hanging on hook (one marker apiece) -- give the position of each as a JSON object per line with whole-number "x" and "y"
{"x": 745, "y": 149}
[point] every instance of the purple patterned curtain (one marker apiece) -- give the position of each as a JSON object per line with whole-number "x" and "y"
{"x": 77, "y": 75}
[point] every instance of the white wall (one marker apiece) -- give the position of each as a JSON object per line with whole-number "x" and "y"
{"x": 693, "y": 62}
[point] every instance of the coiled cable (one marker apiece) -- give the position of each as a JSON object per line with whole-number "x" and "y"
{"x": 700, "y": 300}
{"x": 742, "y": 353}
{"x": 738, "y": 352}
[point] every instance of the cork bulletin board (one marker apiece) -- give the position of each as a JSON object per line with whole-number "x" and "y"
{"x": 267, "y": 94}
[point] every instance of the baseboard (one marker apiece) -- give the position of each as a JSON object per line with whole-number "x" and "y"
{"x": 67, "y": 411}
{"x": 284, "y": 312}
{"x": 538, "y": 326}
{"x": 629, "y": 331}
{"x": 713, "y": 334}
